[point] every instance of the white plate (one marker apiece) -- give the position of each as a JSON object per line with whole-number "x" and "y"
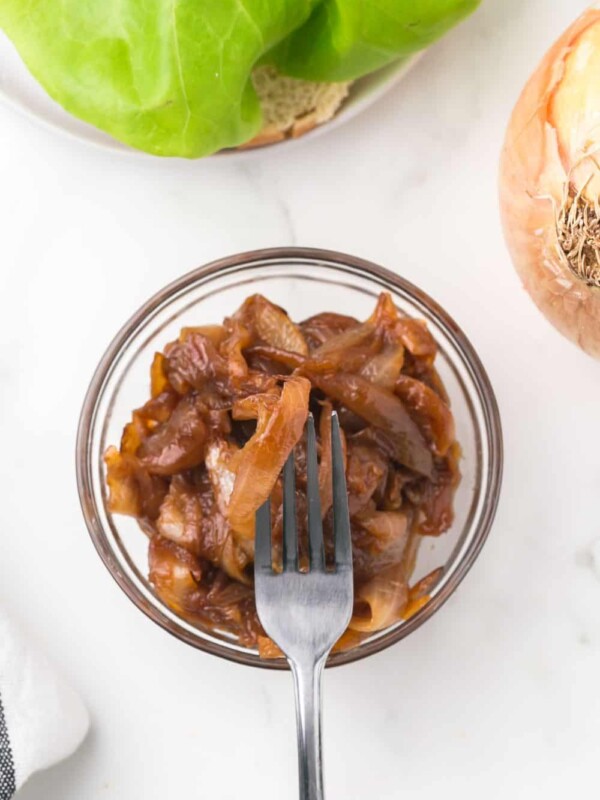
{"x": 22, "y": 92}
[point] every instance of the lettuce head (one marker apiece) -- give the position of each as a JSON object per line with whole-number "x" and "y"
{"x": 173, "y": 77}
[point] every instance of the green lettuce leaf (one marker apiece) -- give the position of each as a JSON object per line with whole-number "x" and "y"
{"x": 172, "y": 77}
{"x": 345, "y": 39}
{"x": 167, "y": 76}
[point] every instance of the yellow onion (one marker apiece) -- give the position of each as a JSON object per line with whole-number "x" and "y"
{"x": 550, "y": 184}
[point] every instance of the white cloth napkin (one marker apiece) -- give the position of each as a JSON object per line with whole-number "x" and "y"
{"x": 42, "y": 720}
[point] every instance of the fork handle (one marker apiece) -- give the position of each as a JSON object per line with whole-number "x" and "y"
{"x": 307, "y": 681}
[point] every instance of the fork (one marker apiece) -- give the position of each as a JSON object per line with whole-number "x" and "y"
{"x": 305, "y": 613}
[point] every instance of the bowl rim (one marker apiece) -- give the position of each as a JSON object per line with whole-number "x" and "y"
{"x": 275, "y": 257}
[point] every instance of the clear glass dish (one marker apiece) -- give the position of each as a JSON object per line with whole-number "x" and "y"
{"x": 304, "y": 282}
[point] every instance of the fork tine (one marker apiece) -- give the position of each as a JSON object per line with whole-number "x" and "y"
{"x": 290, "y": 535}
{"x": 341, "y": 515}
{"x": 315, "y": 525}
{"x": 263, "y": 560}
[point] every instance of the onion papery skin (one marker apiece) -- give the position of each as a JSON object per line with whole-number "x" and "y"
{"x": 550, "y": 184}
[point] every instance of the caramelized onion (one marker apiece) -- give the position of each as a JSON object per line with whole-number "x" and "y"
{"x": 132, "y": 490}
{"x": 178, "y": 444}
{"x": 366, "y": 471}
{"x": 194, "y": 362}
{"x": 388, "y": 528}
{"x": 159, "y": 382}
{"x": 180, "y": 517}
{"x": 272, "y": 325}
{"x": 383, "y": 410}
{"x": 318, "y": 329}
{"x": 279, "y": 425}
{"x": 380, "y": 602}
{"x": 175, "y": 573}
{"x": 384, "y": 368}
{"x": 229, "y": 402}
{"x": 429, "y": 411}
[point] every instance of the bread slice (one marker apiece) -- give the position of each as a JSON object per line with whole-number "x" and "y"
{"x": 292, "y": 107}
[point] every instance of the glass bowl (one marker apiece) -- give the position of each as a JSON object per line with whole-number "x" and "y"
{"x": 304, "y": 282}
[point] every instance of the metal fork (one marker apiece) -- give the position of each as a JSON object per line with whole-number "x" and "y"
{"x": 305, "y": 613}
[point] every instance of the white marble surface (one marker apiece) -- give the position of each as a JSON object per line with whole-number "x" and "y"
{"x": 498, "y": 695}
